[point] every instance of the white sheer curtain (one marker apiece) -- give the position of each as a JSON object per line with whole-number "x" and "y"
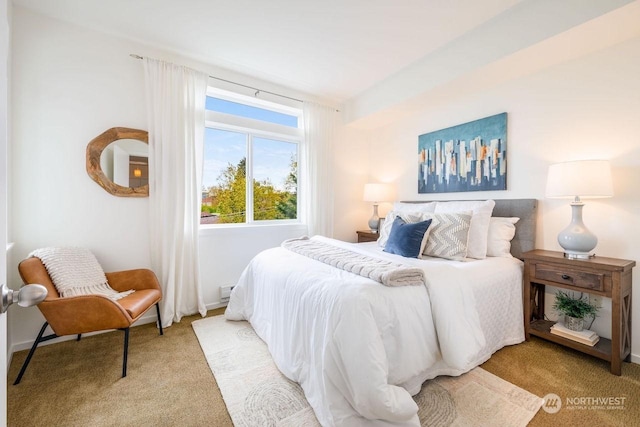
{"x": 175, "y": 102}
{"x": 320, "y": 124}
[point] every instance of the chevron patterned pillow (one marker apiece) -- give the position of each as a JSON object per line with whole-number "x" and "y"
{"x": 481, "y": 211}
{"x": 448, "y": 235}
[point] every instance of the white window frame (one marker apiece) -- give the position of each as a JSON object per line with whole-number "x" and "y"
{"x": 257, "y": 128}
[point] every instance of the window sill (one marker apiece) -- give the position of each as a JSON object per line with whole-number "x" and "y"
{"x": 266, "y": 228}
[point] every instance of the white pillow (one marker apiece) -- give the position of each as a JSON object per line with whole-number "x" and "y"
{"x": 409, "y": 218}
{"x": 448, "y": 235}
{"x": 479, "y": 230}
{"x": 428, "y": 207}
{"x": 410, "y": 208}
{"x": 501, "y": 232}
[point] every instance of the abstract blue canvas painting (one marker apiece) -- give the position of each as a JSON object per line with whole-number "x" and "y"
{"x": 467, "y": 157}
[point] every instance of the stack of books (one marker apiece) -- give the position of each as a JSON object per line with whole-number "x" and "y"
{"x": 585, "y": 336}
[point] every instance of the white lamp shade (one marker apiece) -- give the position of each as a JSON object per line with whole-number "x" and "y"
{"x": 583, "y": 178}
{"x": 378, "y": 193}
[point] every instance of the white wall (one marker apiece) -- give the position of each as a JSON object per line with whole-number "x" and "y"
{"x": 70, "y": 84}
{"x": 351, "y": 173}
{"x": 584, "y": 108}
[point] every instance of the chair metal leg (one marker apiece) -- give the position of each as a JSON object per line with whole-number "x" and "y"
{"x": 38, "y": 340}
{"x": 126, "y": 349}
{"x": 159, "y": 319}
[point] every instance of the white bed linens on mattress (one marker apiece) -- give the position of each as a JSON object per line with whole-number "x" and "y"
{"x": 360, "y": 349}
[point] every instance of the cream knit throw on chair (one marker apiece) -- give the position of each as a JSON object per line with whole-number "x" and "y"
{"x": 76, "y": 271}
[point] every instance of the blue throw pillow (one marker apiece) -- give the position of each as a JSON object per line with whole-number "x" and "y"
{"x": 406, "y": 239}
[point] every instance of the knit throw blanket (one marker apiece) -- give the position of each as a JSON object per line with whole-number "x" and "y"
{"x": 76, "y": 271}
{"x": 386, "y": 272}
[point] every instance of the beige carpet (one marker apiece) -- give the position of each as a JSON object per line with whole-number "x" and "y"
{"x": 257, "y": 394}
{"x": 79, "y": 384}
{"x": 169, "y": 382}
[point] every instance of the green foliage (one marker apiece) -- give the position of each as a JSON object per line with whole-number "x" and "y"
{"x": 208, "y": 209}
{"x": 288, "y": 206}
{"x": 230, "y": 196}
{"x": 574, "y": 307}
{"x": 229, "y": 199}
{"x": 265, "y": 199}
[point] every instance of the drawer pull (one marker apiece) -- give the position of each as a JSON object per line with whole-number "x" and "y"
{"x": 566, "y": 277}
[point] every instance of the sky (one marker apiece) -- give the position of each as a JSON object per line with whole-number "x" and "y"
{"x": 271, "y": 158}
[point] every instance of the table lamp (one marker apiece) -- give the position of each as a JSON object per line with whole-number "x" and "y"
{"x": 377, "y": 193}
{"x": 576, "y": 180}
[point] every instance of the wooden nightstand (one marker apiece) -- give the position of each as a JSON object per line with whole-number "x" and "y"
{"x": 367, "y": 236}
{"x": 607, "y": 277}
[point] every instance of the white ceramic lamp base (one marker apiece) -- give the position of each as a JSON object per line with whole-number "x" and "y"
{"x": 576, "y": 240}
{"x": 374, "y": 221}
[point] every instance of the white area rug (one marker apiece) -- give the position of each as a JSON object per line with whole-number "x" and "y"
{"x": 257, "y": 394}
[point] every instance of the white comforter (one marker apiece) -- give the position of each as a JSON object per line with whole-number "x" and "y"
{"x": 359, "y": 349}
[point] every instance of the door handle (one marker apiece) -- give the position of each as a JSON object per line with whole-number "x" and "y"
{"x": 27, "y": 296}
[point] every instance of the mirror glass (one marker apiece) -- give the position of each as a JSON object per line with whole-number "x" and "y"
{"x": 118, "y": 160}
{"x": 126, "y": 162}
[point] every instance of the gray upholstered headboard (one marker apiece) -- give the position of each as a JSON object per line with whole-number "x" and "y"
{"x": 526, "y": 210}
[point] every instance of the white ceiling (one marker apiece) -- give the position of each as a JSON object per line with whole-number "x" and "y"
{"x": 334, "y": 49}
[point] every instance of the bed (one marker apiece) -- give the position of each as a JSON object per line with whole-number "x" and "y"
{"x": 359, "y": 349}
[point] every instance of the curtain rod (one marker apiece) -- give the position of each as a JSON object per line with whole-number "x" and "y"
{"x": 133, "y": 55}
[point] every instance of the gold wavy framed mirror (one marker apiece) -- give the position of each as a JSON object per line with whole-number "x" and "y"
{"x": 118, "y": 160}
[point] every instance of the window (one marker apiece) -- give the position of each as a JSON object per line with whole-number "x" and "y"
{"x": 251, "y": 161}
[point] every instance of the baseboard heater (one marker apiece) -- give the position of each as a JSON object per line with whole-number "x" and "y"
{"x": 225, "y": 293}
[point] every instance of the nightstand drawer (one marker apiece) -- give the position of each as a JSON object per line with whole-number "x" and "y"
{"x": 567, "y": 276}
{"x": 367, "y": 236}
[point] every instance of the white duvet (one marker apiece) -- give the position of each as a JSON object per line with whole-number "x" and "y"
{"x": 359, "y": 349}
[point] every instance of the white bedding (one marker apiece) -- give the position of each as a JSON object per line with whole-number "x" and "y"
{"x": 360, "y": 349}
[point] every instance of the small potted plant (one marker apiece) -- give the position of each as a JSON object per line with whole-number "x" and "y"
{"x": 574, "y": 309}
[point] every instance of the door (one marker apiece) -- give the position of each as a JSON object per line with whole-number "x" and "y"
{"x": 4, "y": 85}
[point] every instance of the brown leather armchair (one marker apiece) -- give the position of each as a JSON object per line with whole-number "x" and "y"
{"x": 90, "y": 313}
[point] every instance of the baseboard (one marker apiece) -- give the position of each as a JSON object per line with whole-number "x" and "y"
{"x": 149, "y": 317}
{"x": 215, "y": 305}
